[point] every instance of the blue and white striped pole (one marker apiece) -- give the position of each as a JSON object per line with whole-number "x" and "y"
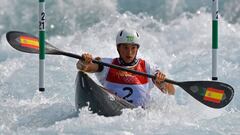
{"x": 41, "y": 44}
{"x": 214, "y": 38}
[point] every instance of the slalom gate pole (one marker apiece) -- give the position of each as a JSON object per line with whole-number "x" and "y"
{"x": 214, "y": 38}
{"x": 41, "y": 44}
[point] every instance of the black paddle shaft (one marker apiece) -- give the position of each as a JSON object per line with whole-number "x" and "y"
{"x": 118, "y": 67}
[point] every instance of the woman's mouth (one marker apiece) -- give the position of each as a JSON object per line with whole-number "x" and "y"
{"x": 129, "y": 57}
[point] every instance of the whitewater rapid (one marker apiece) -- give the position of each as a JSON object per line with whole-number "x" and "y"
{"x": 179, "y": 43}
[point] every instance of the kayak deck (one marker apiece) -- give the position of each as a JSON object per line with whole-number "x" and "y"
{"x": 99, "y": 99}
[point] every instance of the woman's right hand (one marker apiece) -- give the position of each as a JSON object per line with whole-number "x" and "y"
{"x": 83, "y": 64}
{"x": 87, "y": 58}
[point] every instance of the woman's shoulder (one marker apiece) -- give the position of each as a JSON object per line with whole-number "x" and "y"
{"x": 107, "y": 60}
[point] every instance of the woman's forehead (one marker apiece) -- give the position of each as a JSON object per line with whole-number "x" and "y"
{"x": 128, "y": 45}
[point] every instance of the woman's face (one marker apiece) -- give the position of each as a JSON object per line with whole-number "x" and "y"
{"x": 127, "y": 52}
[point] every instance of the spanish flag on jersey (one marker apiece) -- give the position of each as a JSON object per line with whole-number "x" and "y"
{"x": 29, "y": 42}
{"x": 213, "y": 95}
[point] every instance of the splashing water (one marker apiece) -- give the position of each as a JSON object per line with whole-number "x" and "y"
{"x": 175, "y": 36}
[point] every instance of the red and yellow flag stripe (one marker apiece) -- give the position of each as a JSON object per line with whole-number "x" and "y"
{"x": 29, "y": 42}
{"x": 213, "y": 95}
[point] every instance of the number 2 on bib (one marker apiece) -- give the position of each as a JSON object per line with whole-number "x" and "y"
{"x": 130, "y": 92}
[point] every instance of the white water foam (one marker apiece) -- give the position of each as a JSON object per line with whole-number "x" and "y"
{"x": 180, "y": 48}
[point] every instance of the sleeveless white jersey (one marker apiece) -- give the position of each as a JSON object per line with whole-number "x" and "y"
{"x": 131, "y": 87}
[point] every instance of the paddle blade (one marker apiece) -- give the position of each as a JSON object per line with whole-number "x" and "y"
{"x": 211, "y": 93}
{"x": 28, "y": 43}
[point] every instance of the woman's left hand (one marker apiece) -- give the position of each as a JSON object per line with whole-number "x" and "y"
{"x": 159, "y": 78}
